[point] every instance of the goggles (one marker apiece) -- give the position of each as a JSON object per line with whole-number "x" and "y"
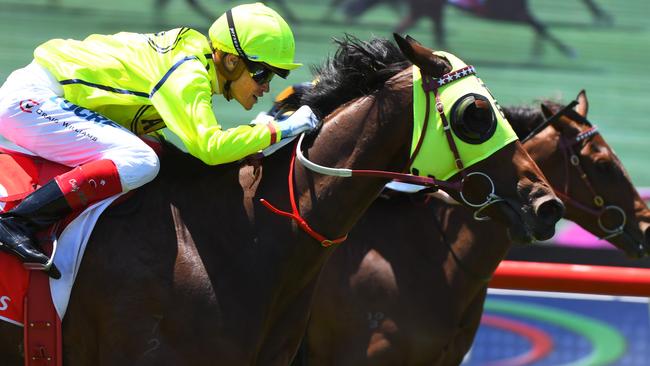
{"x": 260, "y": 72}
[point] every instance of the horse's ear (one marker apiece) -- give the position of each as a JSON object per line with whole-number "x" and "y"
{"x": 411, "y": 39}
{"x": 422, "y": 57}
{"x": 583, "y": 104}
{"x": 404, "y": 45}
{"x": 546, "y": 110}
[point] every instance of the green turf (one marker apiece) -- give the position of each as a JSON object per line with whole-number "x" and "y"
{"x": 612, "y": 62}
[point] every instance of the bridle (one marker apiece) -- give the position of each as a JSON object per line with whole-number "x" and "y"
{"x": 429, "y": 85}
{"x": 572, "y": 159}
{"x": 432, "y": 85}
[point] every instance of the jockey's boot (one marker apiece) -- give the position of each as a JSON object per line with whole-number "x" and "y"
{"x": 39, "y": 210}
{"x": 74, "y": 190}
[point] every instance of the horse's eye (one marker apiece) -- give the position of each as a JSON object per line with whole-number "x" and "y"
{"x": 605, "y": 165}
{"x": 472, "y": 119}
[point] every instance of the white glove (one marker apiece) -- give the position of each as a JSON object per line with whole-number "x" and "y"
{"x": 261, "y": 119}
{"x": 302, "y": 120}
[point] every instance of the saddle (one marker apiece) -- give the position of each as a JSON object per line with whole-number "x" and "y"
{"x": 29, "y": 298}
{"x": 26, "y": 294}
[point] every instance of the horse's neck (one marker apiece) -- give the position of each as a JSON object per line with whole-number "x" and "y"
{"x": 373, "y": 132}
{"x": 480, "y": 246}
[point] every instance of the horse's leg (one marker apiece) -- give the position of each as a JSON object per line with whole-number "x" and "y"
{"x": 538, "y": 46}
{"x": 286, "y": 11}
{"x": 462, "y": 341}
{"x": 542, "y": 31}
{"x": 333, "y": 7}
{"x": 410, "y": 18}
{"x": 599, "y": 14}
{"x": 161, "y": 4}
{"x": 356, "y": 8}
{"x": 159, "y": 7}
{"x": 436, "y": 13}
{"x": 11, "y": 344}
{"x": 201, "y": 10}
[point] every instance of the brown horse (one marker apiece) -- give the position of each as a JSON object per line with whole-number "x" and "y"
{"x": 411, "y": 291}
{"x": 194, "y": 270}
{"x": 516, "y": 11}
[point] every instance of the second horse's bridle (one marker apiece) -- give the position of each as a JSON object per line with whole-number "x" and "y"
{"x": 572, "y": 158}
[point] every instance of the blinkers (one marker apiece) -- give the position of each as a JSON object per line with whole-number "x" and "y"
{"x": 472, "y": 119}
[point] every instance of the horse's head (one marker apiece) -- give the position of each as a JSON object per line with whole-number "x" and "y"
{"x": 588, "y": 176}
{"x": 477, "y": 147}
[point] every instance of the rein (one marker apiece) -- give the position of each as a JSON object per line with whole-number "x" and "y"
{"x": 429, "y": 85}
{"x": 295, "y": 214}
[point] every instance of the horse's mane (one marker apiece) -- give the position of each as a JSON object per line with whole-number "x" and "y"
{"x": 357, "y": 68}
{"x": 525, "y": 118}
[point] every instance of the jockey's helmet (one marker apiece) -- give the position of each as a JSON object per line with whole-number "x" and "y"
{"x": 257, "y": 34}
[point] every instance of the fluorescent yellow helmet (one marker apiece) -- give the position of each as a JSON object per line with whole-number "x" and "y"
{"x": 256, "y": 33}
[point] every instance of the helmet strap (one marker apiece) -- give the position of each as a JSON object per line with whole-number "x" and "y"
{"x": 226, "y": 90}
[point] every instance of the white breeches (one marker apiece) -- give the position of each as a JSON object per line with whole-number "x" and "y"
{"x": 35, "y": 116}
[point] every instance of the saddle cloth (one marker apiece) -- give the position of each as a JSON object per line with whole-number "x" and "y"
{"x": 21, "y": 173}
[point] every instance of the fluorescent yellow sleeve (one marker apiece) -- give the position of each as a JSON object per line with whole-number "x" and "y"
{"x": 184, "y": 102}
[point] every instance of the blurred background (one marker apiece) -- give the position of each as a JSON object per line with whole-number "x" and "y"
{"x": 607, "y": 48}
{"x": 524, "y": 51}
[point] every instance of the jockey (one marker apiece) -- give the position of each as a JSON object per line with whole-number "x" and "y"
{"x": 83, "y": 103}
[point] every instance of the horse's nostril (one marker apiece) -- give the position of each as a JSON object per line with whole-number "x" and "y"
{"x": 550, "y": 211}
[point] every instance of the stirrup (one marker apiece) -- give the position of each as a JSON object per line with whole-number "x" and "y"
{"x": 47, "y": 266}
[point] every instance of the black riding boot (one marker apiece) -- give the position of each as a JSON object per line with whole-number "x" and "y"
{"x": 40, "y": 209}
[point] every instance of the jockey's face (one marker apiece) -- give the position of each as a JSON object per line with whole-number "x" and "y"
{"x": 247, "y": 91}
{"x": 242, "y": 86}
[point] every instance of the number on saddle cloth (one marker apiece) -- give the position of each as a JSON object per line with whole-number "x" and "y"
{"x": 472, "y": 119}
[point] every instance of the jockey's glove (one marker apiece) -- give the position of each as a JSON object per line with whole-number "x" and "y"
{"x": 302, "y": 120}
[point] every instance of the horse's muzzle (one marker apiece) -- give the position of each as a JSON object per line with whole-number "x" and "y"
{"x": 548, "y": 211}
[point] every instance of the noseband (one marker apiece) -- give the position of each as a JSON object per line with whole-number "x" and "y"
{"x": 571, "y": 158}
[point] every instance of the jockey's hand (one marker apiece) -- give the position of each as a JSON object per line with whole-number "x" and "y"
{"x": 261, "y": 119}
{"x": 302, "y": 120}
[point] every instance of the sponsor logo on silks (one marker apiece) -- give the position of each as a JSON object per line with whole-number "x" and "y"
{"x": 28, "y": 105}
{"x": 74, "y": 185}
{"x": 4, "y": 302}
{"x": 84, "y": 113}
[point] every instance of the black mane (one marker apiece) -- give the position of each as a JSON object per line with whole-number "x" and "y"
{"x": 357, "y": 68}
{"x": 524, "y": 119}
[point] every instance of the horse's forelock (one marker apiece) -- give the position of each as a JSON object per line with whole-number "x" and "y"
{"x": 357, "y": 68}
